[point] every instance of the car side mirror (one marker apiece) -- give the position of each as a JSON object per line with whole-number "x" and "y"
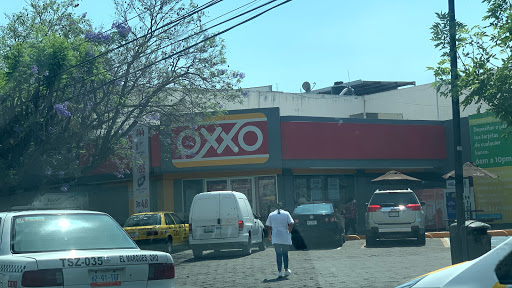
{"x": 504, "y": 270}
{"x": 422, "y": 203}
{"x": 366, "y": 203}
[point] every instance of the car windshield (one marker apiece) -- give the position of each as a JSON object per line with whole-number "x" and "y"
{"x": 393, "y": 199}
{"x": 48, "y": 232}
{"x": 143, "y": 220}
{"x": 313, "y": 209}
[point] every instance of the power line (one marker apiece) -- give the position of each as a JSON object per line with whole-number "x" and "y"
{"x": 194, "y": 45}
{"x": 190, "y": 36}
{"x": 191, "y": 13}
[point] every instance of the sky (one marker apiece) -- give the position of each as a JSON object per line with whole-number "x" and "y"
{"x": 322, "y": 41}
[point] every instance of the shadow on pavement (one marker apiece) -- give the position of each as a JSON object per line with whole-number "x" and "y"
{"x": 221, "y": 255}
{"x": 388, "y": 243}
{"x": 314, "y": 245}
{"x": 275, "y": 280}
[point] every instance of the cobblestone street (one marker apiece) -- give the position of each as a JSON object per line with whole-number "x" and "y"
{"x": 390, "y": 264}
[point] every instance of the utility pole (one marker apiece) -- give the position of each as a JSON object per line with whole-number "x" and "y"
{"x": 454, "y": 91}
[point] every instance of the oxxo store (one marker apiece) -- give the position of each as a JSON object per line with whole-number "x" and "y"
{"x": 293, "y": 159}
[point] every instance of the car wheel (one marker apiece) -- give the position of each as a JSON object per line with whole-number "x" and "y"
{"x": 421, "y": 240}
{"x": 168, "y": 245}
{"x": 197, "y": 253}
{"x": 261, "y": 246}
{"x": 247, "y": 249}
{"x": 371, "y": 241}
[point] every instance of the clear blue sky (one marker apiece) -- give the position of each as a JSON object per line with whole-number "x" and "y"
{"x": 323, "y": 41}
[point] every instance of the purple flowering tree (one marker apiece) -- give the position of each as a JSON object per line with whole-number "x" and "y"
{"x": 71, "y": 93}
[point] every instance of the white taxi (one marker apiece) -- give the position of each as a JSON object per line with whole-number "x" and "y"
{"x": 70, "y": 248}
{"x": 492, "y": 270}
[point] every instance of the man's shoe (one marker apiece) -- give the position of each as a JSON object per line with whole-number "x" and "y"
{"x": 287, "y": 272}
{"x": 280, "y": 274}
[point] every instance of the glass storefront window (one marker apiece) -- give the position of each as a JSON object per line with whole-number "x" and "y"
{"x": 261, "y": 191}
{"x": 266, "y": 193}
{"x": 333, "y": 188}
{"x": 216, "y": 185}
{"x": 243, "y": 186}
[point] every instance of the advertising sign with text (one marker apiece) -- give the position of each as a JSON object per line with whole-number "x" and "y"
{"x": 488, "y": 147}
{"x": 492, "y": 151}
{"x": 228, "y": 140}
{"x": 140, "y": 169}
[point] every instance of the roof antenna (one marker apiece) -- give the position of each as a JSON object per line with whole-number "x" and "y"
{"x": 347, "y": 88}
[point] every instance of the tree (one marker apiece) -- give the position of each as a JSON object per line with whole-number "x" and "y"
{"x": 485, "y": 59}
{"x": 70, "y": 92}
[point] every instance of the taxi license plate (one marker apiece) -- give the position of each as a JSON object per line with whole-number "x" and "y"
{"x": 312, "y": 222}
{"x": 393, "y": 213}
{"x": 105, "y": 278}
{"x": 209, "y": 230}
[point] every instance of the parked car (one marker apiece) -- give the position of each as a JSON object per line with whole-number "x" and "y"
{"x": 319, "y": 221}
{"x": 72, "y": 248}
{"x": 223, "y": 220}
{"x": 493, "y": 269}
{"x": 157, "y": 230}
{"x": 394, "y": 214}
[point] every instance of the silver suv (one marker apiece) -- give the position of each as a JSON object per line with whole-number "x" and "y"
{"x": 394, "y": 214}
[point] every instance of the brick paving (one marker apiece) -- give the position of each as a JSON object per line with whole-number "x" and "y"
{"x": 392, "y": 263}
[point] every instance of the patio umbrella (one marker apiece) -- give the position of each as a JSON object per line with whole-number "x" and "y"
{"x": 394, "y": 175}
{"x": 470, "y": 169}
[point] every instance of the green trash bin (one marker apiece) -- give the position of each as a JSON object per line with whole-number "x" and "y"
{"x": 478, "y": 241}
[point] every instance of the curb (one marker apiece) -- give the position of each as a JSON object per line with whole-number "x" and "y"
{"x": 500, "y": 232}
{"x": 443, "y": 234}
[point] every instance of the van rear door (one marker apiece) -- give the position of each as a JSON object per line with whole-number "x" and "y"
{"x": 205, "y": 217}
{"x": 229, "y": 216}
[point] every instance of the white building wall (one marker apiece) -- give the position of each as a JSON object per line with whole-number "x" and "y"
{"x": 414, "y": 103}
{"x": 301, "y": 104}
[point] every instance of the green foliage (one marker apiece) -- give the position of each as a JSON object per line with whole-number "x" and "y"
{"x": 70, "y": 94}
{"x": 484, "y": 59}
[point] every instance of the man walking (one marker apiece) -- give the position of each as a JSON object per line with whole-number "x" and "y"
{"x": 280, "y": 225}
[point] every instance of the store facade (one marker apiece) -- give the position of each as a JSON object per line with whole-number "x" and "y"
{"x": 292, "y": 159}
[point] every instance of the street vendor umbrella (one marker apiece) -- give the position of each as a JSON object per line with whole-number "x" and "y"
{"x": 470, "y": 169}
{"x": 394, "y": 175}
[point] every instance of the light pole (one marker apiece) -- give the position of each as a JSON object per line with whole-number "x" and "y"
{"x": 454, "y": 91}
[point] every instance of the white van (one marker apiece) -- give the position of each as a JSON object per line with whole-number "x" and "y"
{"x": 223, "y": 220}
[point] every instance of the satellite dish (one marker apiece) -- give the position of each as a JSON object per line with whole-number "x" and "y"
{"x": 306, "y": 86}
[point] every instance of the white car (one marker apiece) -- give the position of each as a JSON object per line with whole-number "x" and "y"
{"x": 395, "y": 214}
{"x": 71, "y": 248}
{"x": 493, "y": 269}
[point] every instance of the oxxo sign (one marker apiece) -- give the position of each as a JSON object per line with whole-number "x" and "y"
{"x": 230, "y": 140}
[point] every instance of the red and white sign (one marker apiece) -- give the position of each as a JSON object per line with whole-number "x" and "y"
{"x": 140, "y": 169}
{"x": 229, "y": 140}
